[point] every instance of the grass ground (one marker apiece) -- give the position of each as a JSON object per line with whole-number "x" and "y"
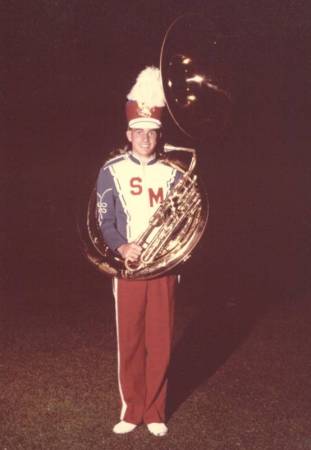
{"x": 239, "y": 377}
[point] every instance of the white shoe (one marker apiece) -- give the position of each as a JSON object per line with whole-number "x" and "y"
{"x": 157, "y": 429}
{"x": 123, "y": 427}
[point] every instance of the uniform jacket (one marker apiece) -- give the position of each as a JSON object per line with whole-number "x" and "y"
{"x": 128, "y": 193}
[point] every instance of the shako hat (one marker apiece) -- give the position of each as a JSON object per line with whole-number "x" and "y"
{"x": 146, "y": 100}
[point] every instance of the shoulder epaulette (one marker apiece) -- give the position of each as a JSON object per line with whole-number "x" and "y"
{"x": 114, "y": 160}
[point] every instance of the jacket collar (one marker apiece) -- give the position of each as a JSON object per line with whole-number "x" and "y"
{"x": 136, "y": 160}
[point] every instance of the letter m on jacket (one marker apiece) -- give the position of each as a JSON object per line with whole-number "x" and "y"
{"x": 155, "y": 197}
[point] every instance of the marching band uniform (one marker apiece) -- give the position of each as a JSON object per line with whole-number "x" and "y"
{"x": 128, "y": 194}
{"x": 129, "y": 190}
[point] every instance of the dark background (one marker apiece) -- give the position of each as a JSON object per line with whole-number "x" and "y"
{"x": 66, "y": 68}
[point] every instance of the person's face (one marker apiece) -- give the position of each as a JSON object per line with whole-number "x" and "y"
{"x": 143, "y": 140}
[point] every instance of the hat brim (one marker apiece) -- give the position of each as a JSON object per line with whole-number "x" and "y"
{"x": 145, "y": 122}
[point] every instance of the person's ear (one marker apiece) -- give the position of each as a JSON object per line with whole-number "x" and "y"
{"x": 129, "y": 135}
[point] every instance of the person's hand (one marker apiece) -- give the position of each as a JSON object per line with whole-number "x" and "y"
{"x": 130, "y": 251}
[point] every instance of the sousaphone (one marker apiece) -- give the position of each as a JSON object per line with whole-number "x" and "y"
{"x": 198, "y": 100}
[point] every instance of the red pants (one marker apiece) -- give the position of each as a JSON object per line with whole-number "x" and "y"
{"x": 144, "y": 321}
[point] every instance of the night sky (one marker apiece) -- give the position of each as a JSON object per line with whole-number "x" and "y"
{"x": 66, "y": 69}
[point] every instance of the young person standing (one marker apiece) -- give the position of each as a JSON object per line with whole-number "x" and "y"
{"x": 130, "y": 188}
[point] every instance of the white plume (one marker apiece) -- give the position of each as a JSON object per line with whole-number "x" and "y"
{"x": 148, "y": 91}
